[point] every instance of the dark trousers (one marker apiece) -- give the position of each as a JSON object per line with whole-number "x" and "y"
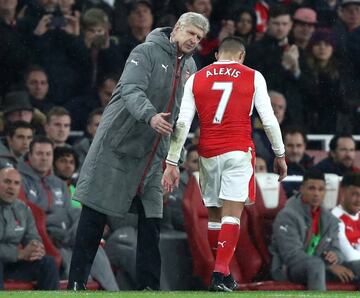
{"x": 88, "y": 236}
{"x": 43, "y": 271}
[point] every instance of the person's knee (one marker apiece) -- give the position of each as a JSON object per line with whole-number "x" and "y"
{"x": 315, "y": 266}
{"x": 48, "y": 264}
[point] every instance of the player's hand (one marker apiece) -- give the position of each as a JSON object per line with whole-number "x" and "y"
{"x": 170, "y": 178}
{"x": 280, "y": 167}
{"x": 330, "y": 257}
{"x": 160, "y": 124}
{"x": 343, "y": 273}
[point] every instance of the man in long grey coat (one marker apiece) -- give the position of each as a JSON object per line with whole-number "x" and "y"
{"x": 123, "y": 167}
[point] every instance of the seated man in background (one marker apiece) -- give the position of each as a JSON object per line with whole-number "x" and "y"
{"x": 297, "y": 160}
{"x": 50, "y": 193}
{"x": 18, "y": 137}
{"x": 341, "y": 158}
{"x": 348, "y": 212}
{"x": 57, "y": 127}
{"x": 22, "y": 254}
{"x": 305, "y": 244}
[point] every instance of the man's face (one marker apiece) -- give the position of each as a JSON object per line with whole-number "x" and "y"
{"x": 279, "y": 27}
{"x": 294, "y": 147}
{"x": 10, "y": 182}
{"x": 93, "y": 125}
{"x": 37, "y": 85}
{"x": 187, "y": 38}
{"x": 58, "y": 128}
{"x": 278, "y": 104}
{"x": 105, "y": 91}
{"x": 192, "y": 162}
{"x": 41, "y": 158}
{"x": 19, "y": 143}
{"x": 303, "y": 31}
{"x": 20, "y": 115}
{"x": 345, "y": 152}
{"x": 350, "y": 14}
{"x": 351, "y": 199}
{"x": 8, "y": 5}
{"x": 260, "y": 165}
{"x": 313, "y": 192}
{"x": 141, "y": 17}
{"x": 203, "y": 7}
{"x": 65, "y": 166}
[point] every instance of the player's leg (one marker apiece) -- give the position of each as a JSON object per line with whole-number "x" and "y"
{"x": 89, "y": 232}
{"x": 214, "y": 226}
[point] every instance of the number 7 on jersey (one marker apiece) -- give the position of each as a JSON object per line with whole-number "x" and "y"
{"x": 226, "y": 87}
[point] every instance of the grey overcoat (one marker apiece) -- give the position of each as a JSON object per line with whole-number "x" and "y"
{"x": 125, "y": 157}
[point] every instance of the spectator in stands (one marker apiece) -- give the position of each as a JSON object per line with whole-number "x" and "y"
{"x": 22, "y": 254}
{"x": 14, "y": 53}
{"x": 81, "y": 107}
{"x": 341, "y": 156}
{"x": 66, "y": 164}
{"x": 245, "y": 25}
{"x": 262, "y": 144}
{"x": 305, "y": 244}
{"x": 208, "y": 46}
{"x": 16, "y": 144}
{"x": 83, "y": 146}
{"x": 50, "y": 193}
{"x": 16, "y": 106}
{"x": 140, "y": 21}
{"x": 297, "y": 160}
{"x": 305, "y": 20}
{"x": 57, "y": 127}
{"x": 280, "y": 63}
{"x": 323, "y": 89}
{"x": 348, "y": 212}
{"x": 260, "y": 164}
{"x": 36, "y": 82}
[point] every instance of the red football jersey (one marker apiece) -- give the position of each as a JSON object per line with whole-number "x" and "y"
{"x": 224, "y": 95}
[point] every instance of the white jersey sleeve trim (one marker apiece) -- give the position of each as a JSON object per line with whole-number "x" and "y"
{"x": 186, "y": 116}
{"x": 263, "y": 106}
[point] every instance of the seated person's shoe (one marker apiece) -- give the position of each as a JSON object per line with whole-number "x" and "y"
{"x": 217, "y": 283}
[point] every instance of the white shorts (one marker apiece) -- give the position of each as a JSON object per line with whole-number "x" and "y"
{"x": 228, "y": 176}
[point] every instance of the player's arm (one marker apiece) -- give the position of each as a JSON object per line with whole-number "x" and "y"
{"x": 178, "y": 137}
{"x": 271, "y": 126}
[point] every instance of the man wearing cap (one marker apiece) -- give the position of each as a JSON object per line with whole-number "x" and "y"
{"x": 16, "y": 106}
{"x": 305, "y": 20}
{"x": 124, "y": 165}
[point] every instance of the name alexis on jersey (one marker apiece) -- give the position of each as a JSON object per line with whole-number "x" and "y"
{"x": 223, "y": 71}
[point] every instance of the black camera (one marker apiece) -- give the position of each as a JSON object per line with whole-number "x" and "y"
{"x": 57, "y": 22}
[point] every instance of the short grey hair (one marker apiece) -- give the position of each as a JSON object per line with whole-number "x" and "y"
{"x": 194, "y": 19}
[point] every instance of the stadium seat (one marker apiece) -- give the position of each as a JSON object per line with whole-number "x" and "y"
{"x": 332, "y": 191}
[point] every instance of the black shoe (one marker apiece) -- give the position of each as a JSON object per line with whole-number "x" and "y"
{"x": 230, "y": 282}
{"x": 217, "y": 283}
{"x": 76, "y": 286}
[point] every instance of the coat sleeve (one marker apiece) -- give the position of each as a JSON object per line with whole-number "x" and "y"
{"x": 134, "y": 83}
{"x": 287, "y": 239}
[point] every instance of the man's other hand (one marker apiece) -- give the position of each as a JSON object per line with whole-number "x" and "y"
{"x": 280, "y": 167}
{"x": 160, "y": 124}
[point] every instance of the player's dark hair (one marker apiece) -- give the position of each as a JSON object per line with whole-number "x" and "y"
{"x": 232, "y": 44}
{"x": 60, "y": 152}
{"x": 278, "y": 10}
{"x": 313, "y": 173}
{"x": 40, "y": 140}
{"x": 12, "y": 127}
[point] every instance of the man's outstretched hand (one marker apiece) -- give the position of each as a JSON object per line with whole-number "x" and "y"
{"x": 170, "y": 178}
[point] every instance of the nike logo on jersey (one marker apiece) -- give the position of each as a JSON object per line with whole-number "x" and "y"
{"x": 134, "y": 61}
{"x": 164, "y": 67}
{"x": 222, "y": 244}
